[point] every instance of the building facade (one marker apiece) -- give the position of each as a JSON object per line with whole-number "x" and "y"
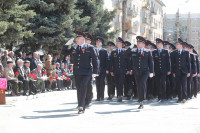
{"x": 143, "y": 18}
{"x": 189, "y": 28}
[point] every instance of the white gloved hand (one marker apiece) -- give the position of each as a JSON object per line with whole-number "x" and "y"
{"x": 70, "y": 41}
{"x": 151, "y": 75}
{"x": 94, "y": 75}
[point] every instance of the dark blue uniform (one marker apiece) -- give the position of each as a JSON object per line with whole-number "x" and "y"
{"x": 194, "y": 89}
{"x": 181, "y": 67}
{"x": 110, "y": 80}
{"x": 119, "y": 67}
{"x": 190, "y": 79}
{"x": 161, "y": 68}
{"x": 141, "y": 66}
{"x": 85, "y": 64}
{"x": 100, "y": 80}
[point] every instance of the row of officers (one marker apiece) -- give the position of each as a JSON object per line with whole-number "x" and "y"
{"x": 145, "y": 70}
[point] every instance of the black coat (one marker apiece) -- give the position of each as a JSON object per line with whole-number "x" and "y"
{"x": 141, "y": 63}
{"x": 193, "y": 64}
{"x": 180, "y": 63}
{"x": 84, "y": 60}
{"x": 118, "y": 62}
{"x": 162, "y": 62}
{"x": 102, "y": 58}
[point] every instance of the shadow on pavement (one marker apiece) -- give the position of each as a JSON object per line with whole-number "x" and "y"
{"x": 53, "y": 111}
{"x": 119, "y": 111}
{"x": 50, "y": 116}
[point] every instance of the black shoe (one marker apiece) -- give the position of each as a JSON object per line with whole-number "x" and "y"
{"x": 88, "y": 105}
{"x": 102, "y": 99}
{"x": 81, "y": 112}
{"x": 109, "y": 98}
{"x": 141, "y": 107}
{"x": 97, "y": 99}
{"x": 179, "y": 101}
{"x": 119, "y": 99}
{"x": 128, "y": 98}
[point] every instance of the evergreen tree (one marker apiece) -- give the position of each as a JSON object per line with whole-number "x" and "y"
{"x": 53, "y": 24}
{"x": 100, "y": 19}
{"x": 13, "y": 22}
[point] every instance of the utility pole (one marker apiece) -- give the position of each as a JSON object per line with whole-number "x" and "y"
{"x": 124, "y": 14}
{"x": 189, "y": 29}
{"x": 177, "y": 24}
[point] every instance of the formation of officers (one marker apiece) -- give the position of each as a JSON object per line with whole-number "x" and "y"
{"x": 144, "y": 71}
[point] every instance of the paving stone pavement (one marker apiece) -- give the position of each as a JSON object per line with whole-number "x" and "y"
{"x": 55, "y": 112}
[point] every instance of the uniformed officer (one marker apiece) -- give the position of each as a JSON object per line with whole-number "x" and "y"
{"x": 102, "y": 57}
{"x": 142, "y": 66}
{"x": 119, "y": 67}
{"x": 193, "y": 71}
{"x": 85, "y": 64}
{"x": 196, "y": 78}
{"x": 181, "y": 70}
{"x": 150, "y": 81}
{"x": 128, "y": 84}
{"x": 172, "y": 78}
{"x": 161, "y": 68}
{"x": 169, "y": 87}
{"x": 89, "y": 96}
{"x": 110, "y": 79}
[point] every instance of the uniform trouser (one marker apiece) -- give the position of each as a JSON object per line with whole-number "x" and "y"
{"x": 128, "y": 85}
{"x": 161, "y": 85}
{"x": 119, "y": 81}
{"x": 110, "y": 85}
{"x": 89, "y": 94}
{"x": 81, "y": 85}
{"x": 100, "y": 85}
{"x": 134, "y": 86}
{"x": 150, "y": 86}
{"x": 141, "y": 80}
{"x": 181, "y": 85}
{"x": 189, "y": 86}
{"x": 173, "y": 85}
{"x": 195, "y": 86}
{"x": 169, "y": 87}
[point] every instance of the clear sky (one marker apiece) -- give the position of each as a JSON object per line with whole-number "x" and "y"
{"x": 185, "y": 6}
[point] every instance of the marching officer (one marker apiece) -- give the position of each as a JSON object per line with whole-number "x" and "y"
{"x": 161, "y": 68}
{"x": 119, "y": 67}
{"x": 102, "y": 65}
{"x": 150, "y": 81}
{"x": 181, "y": 70}
{"x": 193, "y": 71}
{"x": 89, "y": 95}
{"x": 110, "y": 79}
{"x": 195, "y": 78}
{"x": 128, "y": 84}
{"x": 85, "y": 64}
{"x": 142, "y": 66}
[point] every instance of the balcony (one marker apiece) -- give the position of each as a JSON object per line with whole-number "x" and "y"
{"x": 145, "y": 5}
{"x": 154, "y": 11}
{"x": 145, "y": 21}
{"x": 153, "y": 25}
{"x": 131, "y": 13}
{"x": 132, "y": 31}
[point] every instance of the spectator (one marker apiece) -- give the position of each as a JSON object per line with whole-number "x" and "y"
{"x": 34, "y": 61}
